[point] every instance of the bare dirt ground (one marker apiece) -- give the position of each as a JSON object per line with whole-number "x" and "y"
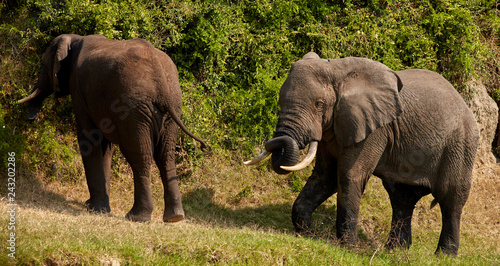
{"x": 482, "y": 212}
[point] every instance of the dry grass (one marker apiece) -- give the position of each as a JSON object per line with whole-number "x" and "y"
{"x": 235, "y": 214}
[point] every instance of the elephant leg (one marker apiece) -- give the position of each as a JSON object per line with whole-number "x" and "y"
{"x": 451, "y": 205}
{"x": 165, "y": 160}
{"x": 354, "y": 170}
{"x": 348, "y": 202}
{"x": 403, "y": 199}
{"x": 319, "y": 187}
{"x": 92, "y": 143}
{"x": 138, "y": 152}
{"x": 450, "y": 231}
{"x": 451, "y": 192}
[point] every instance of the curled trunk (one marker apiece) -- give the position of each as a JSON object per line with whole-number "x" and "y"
{"x": 311, "y": 153}
{"x": 285, "y": 153}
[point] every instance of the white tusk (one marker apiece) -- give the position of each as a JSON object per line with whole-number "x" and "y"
{"x": 311, "y": 153}
{"x": 258, "y": 159}
{"x": 31, "y": 96}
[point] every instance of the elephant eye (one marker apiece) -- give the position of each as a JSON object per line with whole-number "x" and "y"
{"x": 319, "y": 105}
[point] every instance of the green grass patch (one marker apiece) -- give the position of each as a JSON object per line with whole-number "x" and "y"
{"x": 232, "y": 58}
{"x": 53, "y": 227}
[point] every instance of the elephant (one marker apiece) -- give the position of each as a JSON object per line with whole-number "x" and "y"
{"x": 126, "y": 93}
{"x": 409, "y": 128}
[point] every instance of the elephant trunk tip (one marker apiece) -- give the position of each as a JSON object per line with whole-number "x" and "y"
{"x": 311, "y": 153}
{"x": 285, "y": 155}
{"x": 285, "y": 152}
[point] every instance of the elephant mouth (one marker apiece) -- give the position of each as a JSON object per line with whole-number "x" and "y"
{"x": 285, "y": 155}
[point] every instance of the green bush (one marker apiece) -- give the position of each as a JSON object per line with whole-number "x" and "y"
{"x": 237, "y": 54}
{"x": 113, "y": 19}
{"x": 233, "y": 56}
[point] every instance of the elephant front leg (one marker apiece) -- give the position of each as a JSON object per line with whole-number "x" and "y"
{"x": 350, "y": 188}
{"x": 319, "y": 187}
{"x": 348, "y": 201}
{"x": 356, "y": 166}
{"x": 91, "y": 149}
{"x": 165, "y": 160}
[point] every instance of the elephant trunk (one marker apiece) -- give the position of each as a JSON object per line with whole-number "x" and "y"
{"x": 311, "y": 153}
{"x": 35, "y": 101}
{"x": 285, "y": 153}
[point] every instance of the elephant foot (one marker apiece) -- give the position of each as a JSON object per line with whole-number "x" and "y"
{"x": 347, "y": 241}
{"x": 303, "y": 226}
{"x": 394, "y": 242}
{"x": 97, "y": 207}
{"x": 173, "y": 219}
{"x": 309, "y": 233}
{"x": 138, "y": 217}
{"x": 441, "y": 251}
{"x": 174, "y": 216}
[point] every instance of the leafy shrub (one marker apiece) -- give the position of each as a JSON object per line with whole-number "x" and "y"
{"x": 113, "y": 19}
{"x": 233, "y": 56}
{"x": 238, "y": 54}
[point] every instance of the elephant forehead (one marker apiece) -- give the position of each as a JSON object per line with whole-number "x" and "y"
{"x": 303, "y": 80}
{"x": 299, "y": 89}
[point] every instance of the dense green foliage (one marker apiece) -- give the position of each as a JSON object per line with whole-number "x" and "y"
{"x": 234, "y": 55}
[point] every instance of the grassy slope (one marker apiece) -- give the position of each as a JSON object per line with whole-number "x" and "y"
{"x": 236, "y": 215}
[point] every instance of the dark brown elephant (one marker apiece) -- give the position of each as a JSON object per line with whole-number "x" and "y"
{"x": 126, "y": 93}
{"x": 410, "y": 128}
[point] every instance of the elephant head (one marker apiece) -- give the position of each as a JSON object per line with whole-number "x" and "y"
{"x": 346, "y": 99}
{"x": 54, "y": 76}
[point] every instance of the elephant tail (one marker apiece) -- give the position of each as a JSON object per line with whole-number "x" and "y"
{"x": 204, "y": 147}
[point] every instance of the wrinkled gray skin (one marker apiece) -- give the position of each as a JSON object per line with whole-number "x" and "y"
{"x": 126, "y": 93}
{"x": 410, "y": 128}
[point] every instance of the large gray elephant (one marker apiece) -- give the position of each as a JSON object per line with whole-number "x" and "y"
{"x": 410, "y": 128}
{"x": 126, "y": 93}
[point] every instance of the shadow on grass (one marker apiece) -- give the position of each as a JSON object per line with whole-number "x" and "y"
{"x": 200, "y": 206}
{"x": 31, "y": 192}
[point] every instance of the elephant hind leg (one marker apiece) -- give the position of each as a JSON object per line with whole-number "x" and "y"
{"x": 449, "y": 239}
{"x": 164, "y": 156}
{"x": 138, "y": 153}
{"x": 451, "y": 204}
{"x": 403, "y": 199}
{"x": 107, "y": 155}
{"x": 451, "y": 192}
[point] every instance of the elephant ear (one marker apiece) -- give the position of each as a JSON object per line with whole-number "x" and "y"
{"x": 63, "y": 46}
{"x": 368, "y": 99}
